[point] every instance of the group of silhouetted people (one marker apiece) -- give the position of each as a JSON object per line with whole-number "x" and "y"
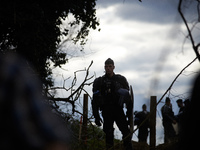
{"x": 168, "y": 119}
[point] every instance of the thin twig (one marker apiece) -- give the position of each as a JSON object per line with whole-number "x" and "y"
{"x": 195, "y": 48}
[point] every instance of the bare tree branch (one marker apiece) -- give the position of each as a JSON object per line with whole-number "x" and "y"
{"x": 175, "y": 80}
{"x": 75, "y": 94}
{"x": 195, "y": 48}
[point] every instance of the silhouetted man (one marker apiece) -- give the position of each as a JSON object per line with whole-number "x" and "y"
{"x": 143, "y": 129}
{"x": 168, "y": 119}
{"x": 180, "y": 116}
{"x": 110, "y": 92}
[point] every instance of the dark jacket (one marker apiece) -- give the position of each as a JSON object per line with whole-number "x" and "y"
{"x": 167, "y": 114}
{"x": 105, "y": 91}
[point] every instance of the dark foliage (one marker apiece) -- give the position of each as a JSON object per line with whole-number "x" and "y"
{"x": 32, "y": 29}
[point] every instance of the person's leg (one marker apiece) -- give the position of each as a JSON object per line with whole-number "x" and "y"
{"x": 122, "y": 124}
{"x": 166, "y": 136}
{"x": 108, "y": 126}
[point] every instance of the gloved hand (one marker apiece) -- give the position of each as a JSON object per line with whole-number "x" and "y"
{"x": 98, "y": 122}
{"x": 123, "y": 93}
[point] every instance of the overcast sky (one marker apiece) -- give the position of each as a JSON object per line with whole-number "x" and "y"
{"x": 147, "y": 43}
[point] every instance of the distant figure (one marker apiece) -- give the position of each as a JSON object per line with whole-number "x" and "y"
{"x": 26, "y": 121}
{"x": 168, "y": 119}
{"x": 180, "y": 116}
{"x": 143, "y": 129}
{"x": 180, "y": 105}
{"x": 110, "y": 92}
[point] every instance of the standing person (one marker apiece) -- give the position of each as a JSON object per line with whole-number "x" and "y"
{"x": 180, "y": 105}
{"x": 110, "y": 92}
{"x": 143, "y": 129}
{"x": 180, "y": 116}
{"x": 168, "y": 119}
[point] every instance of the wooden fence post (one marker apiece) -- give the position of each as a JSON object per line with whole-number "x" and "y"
{"x": 153, "y": 123}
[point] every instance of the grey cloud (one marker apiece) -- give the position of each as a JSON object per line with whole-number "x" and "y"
{"x": 158, "y": 12}
{"x": 151, "y": 11}
{"x": 107, "y": 3}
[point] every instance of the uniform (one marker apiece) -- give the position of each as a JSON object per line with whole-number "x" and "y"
{"x": 143, "y": 130}
{"x": 109, "y": 96}
{"x": 168, "y": 117}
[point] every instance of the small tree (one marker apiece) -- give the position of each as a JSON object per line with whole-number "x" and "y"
{"x": 32, "y": 29}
